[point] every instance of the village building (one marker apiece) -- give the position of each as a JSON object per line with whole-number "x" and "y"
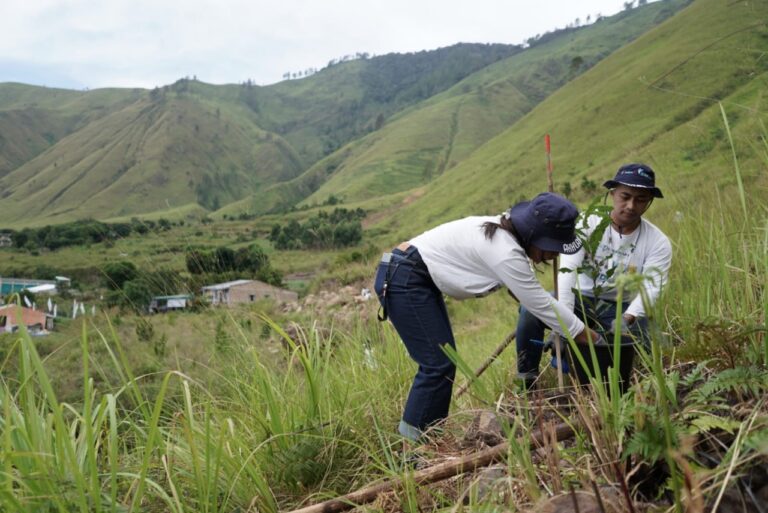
{"x": 246, "y": 291}
{"x": 6, "y": 240}
{"x": 168, "y": 303}
{"x": 63, "y": 282}
{"x": 45, "y": 288}
{"x": 13, "y": 285}
{"x": 13, "y": 316}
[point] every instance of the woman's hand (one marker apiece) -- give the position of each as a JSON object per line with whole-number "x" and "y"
{"x": 596, "y": 339}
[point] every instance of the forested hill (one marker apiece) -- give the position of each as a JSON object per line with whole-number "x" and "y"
{"x": 347, "y": 100}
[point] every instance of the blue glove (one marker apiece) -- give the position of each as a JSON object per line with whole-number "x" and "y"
{"x": 553, "y": 339}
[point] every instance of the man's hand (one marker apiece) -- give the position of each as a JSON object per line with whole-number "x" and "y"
{"x": 623, "y": 328}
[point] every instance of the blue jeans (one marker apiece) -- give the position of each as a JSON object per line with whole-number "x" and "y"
{"x": 600, "y": 314}
{"x": 417, "y": 310}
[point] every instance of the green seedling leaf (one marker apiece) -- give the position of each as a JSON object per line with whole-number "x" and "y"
{"x": 706, "y": 423}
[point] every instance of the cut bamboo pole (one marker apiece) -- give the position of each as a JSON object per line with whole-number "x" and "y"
{"x": 432, "y": 474}
{"x": 487, "y": 363}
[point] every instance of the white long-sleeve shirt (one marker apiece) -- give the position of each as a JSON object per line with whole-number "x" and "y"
{"x": 463, "y": 263}
{"x": 646, "y": 251}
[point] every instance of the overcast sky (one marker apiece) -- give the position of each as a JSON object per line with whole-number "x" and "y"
{"x": 148, "y": 43}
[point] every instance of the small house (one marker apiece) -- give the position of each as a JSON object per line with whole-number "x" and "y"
{"x": 13, "y": 316}
{"x": 246, "y": 291}
{"x": 6, "y": 240}
{"x": 169, "y": 303}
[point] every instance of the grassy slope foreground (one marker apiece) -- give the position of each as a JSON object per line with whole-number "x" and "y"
{"x": 252, "y": 419}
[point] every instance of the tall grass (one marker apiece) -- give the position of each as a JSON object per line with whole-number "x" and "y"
{"x": 268, "y": 436}
{"x": 270, "y": 433}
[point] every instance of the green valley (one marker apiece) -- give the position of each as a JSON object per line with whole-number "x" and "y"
{"x": 279, "y": 405}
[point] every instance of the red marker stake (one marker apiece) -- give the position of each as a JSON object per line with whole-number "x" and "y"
{"x": 551, "y": 188}
{"x": 548, "y": 149}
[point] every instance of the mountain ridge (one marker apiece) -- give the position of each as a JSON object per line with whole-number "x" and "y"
{"x": 220, "y": 167}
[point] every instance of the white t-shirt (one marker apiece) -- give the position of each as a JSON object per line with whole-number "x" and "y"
{"x": 646, "y": 251}
{"x": 463, "y": 263}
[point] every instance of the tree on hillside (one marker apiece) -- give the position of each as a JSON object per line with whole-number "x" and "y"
{"x": 250, "y": 260}
{"x": 340, "y": 228}
{"x": 116, "y": 274}
{"x": 576, "y": 64}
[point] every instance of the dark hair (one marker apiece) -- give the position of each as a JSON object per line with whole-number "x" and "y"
{"x": 489, "y": 230}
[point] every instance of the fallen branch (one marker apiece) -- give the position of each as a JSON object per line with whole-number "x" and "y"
{"x": 432, "y": 474}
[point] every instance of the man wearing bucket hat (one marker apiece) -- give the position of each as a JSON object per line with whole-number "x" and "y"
{"x": 630, "y": 244}
{"x": 470, "y": 258}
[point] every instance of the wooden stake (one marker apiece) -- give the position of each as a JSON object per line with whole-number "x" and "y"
{"x": 555, "y": 262}
{"x": 548, "y": 150}
{"x": 433, "y": 474}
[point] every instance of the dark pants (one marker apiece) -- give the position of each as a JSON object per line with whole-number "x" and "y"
{"x": 417, "y": 310}
{"x": 600, "y": 314}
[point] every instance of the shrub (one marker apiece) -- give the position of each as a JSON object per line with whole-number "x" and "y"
{"x": 341, "y": 228}
{"x": 117, "y": 273}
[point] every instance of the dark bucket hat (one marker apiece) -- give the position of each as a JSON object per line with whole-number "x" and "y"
{"x": 635, "y": 175}
{"x": 548, "y": 222}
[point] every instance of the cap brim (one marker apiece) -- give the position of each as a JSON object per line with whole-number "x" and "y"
{"x": 557, "y": 245}
{"x": 612, "y": 184}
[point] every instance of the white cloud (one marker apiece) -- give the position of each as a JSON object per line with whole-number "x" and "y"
{"x": 147, "y": 43}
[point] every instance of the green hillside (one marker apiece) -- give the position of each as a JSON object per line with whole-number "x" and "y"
{"x": 656, "y": 101}
{"x": 319, "y": 114}
{"x": 154, "y": 154}
{"x": 32, "y": 119}
{"x": 420, "y": 143}
{"x": 111, "y": 153}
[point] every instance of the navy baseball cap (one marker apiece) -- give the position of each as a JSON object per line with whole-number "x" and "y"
{"x": 635, "y": 175}
{"x": 547, "y": 222}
